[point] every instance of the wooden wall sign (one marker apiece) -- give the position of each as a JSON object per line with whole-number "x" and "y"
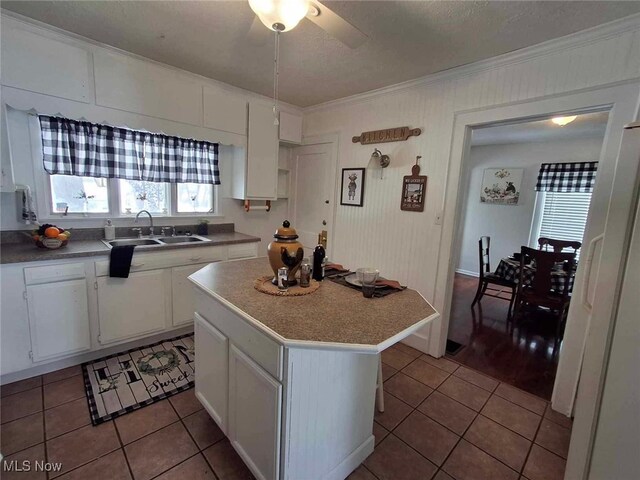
{"x": 398, "y": 134}
{"x": 414, "y": 190}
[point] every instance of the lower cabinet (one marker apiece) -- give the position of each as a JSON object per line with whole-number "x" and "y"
{"x": 58, "y": 318}
{"x": 182, "y": 293}
{"x": 212, "y": 370}
{"x": 134, "y": 306}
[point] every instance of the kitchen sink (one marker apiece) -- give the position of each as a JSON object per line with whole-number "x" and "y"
{"x": 183, "y": 239}
{"x": 155, "y": 242}
{"x": 133, "y": 241}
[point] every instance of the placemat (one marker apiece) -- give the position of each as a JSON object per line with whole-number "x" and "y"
{"x": 379, "y": 292}
{"x": 264, "y": 285}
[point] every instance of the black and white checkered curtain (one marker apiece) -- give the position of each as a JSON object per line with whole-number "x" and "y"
{"x": 85, "y": 149}
{"x": 567, "y": 177}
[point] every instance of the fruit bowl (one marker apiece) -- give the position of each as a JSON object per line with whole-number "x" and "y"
{"x": 51, "y": 237}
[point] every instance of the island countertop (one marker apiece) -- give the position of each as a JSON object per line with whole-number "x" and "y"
{"x": 334, "y": 315}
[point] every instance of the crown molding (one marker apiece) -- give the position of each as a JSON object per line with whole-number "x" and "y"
{"x": 574, "y": 40}
{"x": 67, "y": 36}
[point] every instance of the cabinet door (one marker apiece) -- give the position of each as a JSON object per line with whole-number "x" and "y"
{"x": 290, "y": 128}
{"x": 134, "y": 306}
{"x": 58, "y": 318}
{"x": 212, "y": 370}
{"x": 254, "y": 415}
{"x": 262, "y": 153}
{"x": 182, "y": 293}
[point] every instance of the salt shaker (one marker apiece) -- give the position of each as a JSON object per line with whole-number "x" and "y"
{"x": 305, "y": 273}
{"x": 283, "y": 279}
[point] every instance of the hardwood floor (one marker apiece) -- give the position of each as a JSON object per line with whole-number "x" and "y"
{"x": 524, "y": 359}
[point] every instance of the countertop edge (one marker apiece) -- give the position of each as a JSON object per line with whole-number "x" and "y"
{"x": 290, "y": 343}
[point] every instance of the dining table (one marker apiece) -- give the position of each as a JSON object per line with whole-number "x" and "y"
{"x": 509, "y": 269}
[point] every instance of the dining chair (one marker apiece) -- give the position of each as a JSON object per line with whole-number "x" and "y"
{"x": 539, "y": 291}
{"x": 558, "y": 245}
{"x": 487, "y": 278}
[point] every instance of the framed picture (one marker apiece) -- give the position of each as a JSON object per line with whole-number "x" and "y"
{"x": 352, "y": 190}
{"x": 414, "y": 189}
{"x": 501, "y": 186}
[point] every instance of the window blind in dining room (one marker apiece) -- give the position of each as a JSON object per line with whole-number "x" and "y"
{"x": 564, "y": 215}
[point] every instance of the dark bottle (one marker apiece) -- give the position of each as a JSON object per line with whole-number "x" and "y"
{"x": 318, "y": 257}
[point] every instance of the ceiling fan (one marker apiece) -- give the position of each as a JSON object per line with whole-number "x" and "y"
{"x": 284, "y": 15}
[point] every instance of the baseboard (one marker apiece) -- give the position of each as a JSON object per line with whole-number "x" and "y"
{"x": 467, "y": 272}
{"x": 353, "y": 461}
{"x": 88, "y": 356}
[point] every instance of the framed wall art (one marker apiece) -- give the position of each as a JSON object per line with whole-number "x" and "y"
{"x": 501, "y": 186}
{"x": 352, "y": 190}
{"x": 414, "y": 189}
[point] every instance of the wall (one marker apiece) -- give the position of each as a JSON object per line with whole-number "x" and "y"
{"x": 509, "y": 226}
{"x": 80, "y": 79}
{"x": 406, "y": 245}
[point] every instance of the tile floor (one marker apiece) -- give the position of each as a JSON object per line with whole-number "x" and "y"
{"x": 442, "y": 421}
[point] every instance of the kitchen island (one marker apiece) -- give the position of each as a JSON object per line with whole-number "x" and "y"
{"x": 291, "y": 380}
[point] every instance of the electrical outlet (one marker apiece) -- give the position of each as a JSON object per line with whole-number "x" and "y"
{"x": 439, "y": 216}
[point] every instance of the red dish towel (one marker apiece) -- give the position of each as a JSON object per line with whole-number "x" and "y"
{"x": 390, "y": 283}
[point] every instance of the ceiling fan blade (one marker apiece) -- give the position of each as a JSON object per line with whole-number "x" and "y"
{"x": 258, "y": 33}
{"x": 335, "y": 25}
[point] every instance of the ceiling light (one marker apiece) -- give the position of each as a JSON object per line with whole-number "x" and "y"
{"x": 280, "y": 15}
{"x": 562, "y": 121}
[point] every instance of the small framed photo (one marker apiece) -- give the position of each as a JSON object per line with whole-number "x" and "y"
{"x": 352, "y": 191}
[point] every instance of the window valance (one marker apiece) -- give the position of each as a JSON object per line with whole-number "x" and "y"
{"x": 86, "y": 149}
{"x": 567, "y": 177}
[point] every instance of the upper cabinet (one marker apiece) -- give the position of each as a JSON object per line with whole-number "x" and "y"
{"x": 290, "y": 128}
{"x": 225, "y": 111}
{"x": 44, "y": 65}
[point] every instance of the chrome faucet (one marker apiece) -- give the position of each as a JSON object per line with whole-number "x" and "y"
{"x": 151, "y": 234}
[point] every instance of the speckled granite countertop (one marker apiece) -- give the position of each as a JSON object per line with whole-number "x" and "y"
{"x": 28, "y": 252}
{"x": 333, "y": 314}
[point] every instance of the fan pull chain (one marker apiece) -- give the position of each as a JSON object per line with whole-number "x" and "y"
{"x": 276, "y": 73}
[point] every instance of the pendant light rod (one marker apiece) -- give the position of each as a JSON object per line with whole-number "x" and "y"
{"x": 276, "y": 74}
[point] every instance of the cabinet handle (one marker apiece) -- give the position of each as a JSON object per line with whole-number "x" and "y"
{"x": 195, "y": 259}
{"x": 137, "y": 265}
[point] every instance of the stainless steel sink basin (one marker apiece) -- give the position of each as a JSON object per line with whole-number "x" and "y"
{"x": 183, "y": 239}
{"x": 133, "y": 241}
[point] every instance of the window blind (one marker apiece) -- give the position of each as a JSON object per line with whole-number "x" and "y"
{"x": 564, "y": 215}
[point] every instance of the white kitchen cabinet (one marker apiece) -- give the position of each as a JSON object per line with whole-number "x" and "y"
{"x": 134, "y": 306}
{"x": 182, "y": 294}
{"x": 58, "y": 318}
{"x": 7, "y": 181}
{"x": 212, "y": 370}
{"x": 290, "y": 128}
{"x": 254, "y": 415}
{"x": 256, "y": 176}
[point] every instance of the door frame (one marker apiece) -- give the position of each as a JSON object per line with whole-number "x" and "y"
{"x": 334, "y": 140}
{"x": 621, "y": 101}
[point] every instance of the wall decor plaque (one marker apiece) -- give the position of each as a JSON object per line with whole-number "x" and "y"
{"x": 398, "y": 134}
{"x": 414, "y": 189}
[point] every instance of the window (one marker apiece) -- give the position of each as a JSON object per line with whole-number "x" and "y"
{"x": 194, "y": 198}
{"x": 84, "y": 195}
{"x": 138, "y": 195}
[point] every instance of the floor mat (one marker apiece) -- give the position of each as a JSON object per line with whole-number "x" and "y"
{"x": 453, "y": 347}
{"x": 124, "y": 382}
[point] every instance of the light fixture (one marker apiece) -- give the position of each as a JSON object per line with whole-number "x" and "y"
{"x": 562, "y": 121}
{"x": 379, "y": 161}
{"x": 280, "y": 15}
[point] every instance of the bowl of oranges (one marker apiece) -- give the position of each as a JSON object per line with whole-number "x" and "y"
{"x": 51, "y": 237}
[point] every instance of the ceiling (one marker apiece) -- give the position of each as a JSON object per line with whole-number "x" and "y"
{"x": 588, "y": 125}
{"x": 407, "y": 39}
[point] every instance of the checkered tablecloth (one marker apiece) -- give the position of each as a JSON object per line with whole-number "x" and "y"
{"x": 509, "y": 269}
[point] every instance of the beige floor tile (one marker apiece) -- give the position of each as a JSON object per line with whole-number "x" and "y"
{"x": 149, "y": 419}
{"x": 361, "y": 473}
{"x": 185, "y": 403}
{"x": 498, "y": 441}
{"x": 379, "y": 432}
{"x": 544, "y": 465}
{"x": 465, "y": 393}
{"x": 62, "y": 374}
{"x": 21, "y": 386}
{"x": 448, "y": 412}
{"x": 396, "y": 358}
{"x": 428, "y": 437}
{"x": 407, "y": 389}
{"x": 406, "y": 349}
{"x": 394, "y": 412}
{"x": 160, "y": 451}
{"x": 63, "y": 391}
{"x": 510, "y": 415}
{"x": 442, "y": 363}
{"x": 395, "y": 460}
{"x": 66, "y": 417}
{"x": 468, "y": 462}
{"x": 22, "y": 433}
{"x": 32, "y": 454}
{"x": 425, "y": 373}
{"x": 195, "y": 468}
{"x": 557, "y": 417}
{"x": 526, "y": 400}
{"x": 112, "y": 466}
{"x": 203, "y": 429}
{"x": 477, "y": 379}
{"x": 554, "y": 437}
{"x": 82, "y": 446}
{"x": 21, "y": 404}
{"x": 226, "y": 463}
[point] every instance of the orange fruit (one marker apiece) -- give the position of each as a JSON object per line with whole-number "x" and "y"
{"x": 36, "y": 237}
{"x": 51, "y": 232}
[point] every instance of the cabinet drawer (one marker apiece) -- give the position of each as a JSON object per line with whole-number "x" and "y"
{"x": 53, "y": 273}
{"x": 262, "y": 349}
{"x": 242, "y": 250}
